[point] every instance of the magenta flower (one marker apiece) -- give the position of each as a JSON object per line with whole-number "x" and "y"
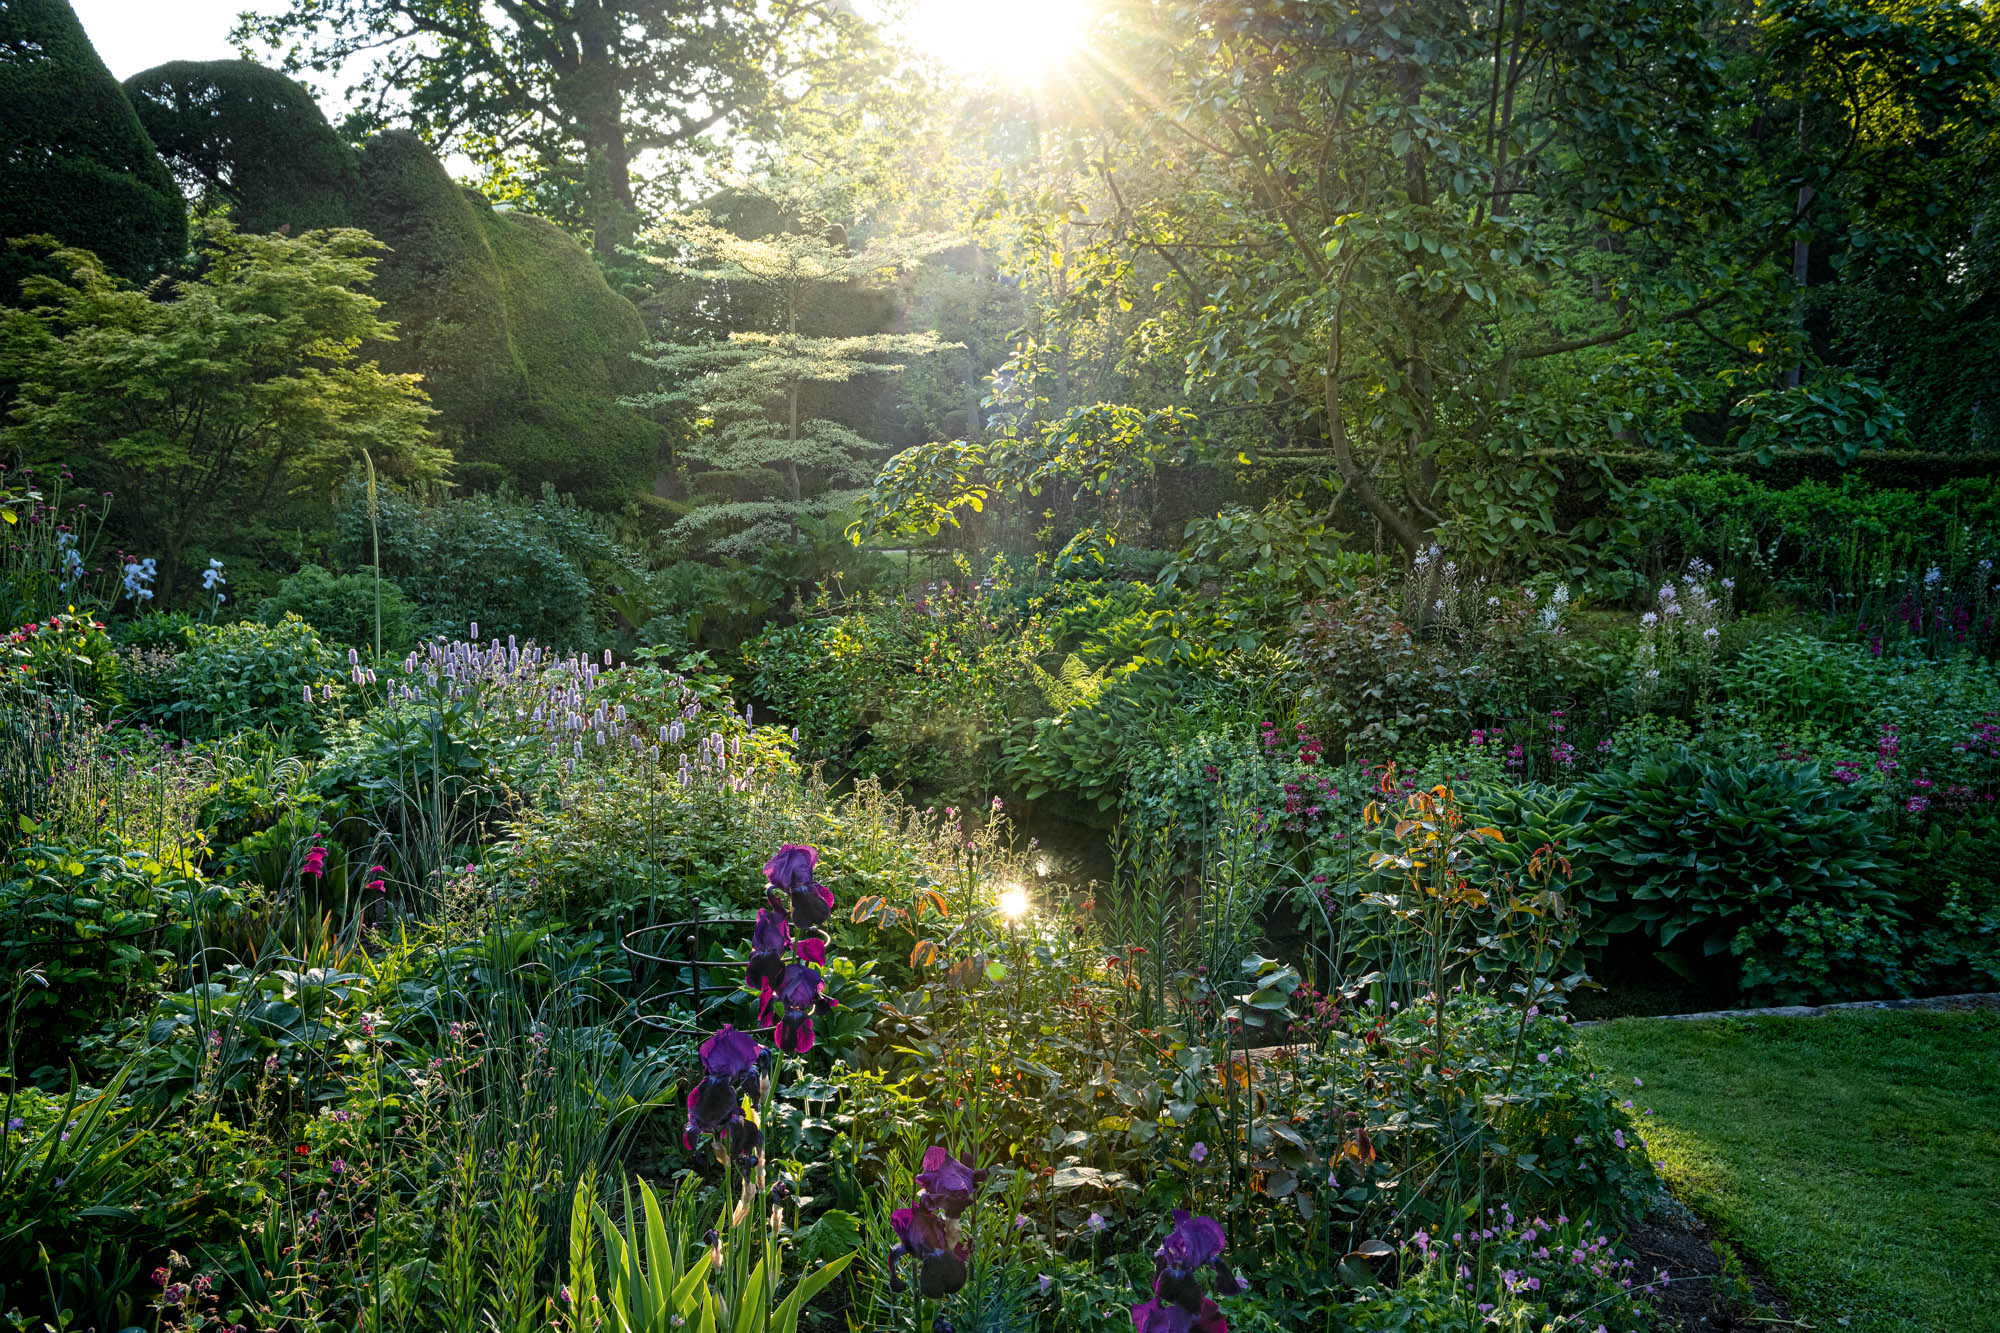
{"x": 315, "y": 862}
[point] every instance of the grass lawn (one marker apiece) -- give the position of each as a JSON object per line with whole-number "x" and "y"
{"x": 1854, "y": 1157}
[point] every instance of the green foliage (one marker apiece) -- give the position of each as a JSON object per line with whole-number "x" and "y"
{"x": 1848, "y": 537}
{"x": 342, "y": 607}
{"x": 103, "y": 926}
{"x": 247, "y": 674}
{"x": 241, "y": 389}
{"x": 70, "y": 655}
{"x": 496, "y": 561}
{"x": 606, "y": 81}
{"x": 1722, "y": 852}
{"x": 518, "y": 339}
{"x": 917, "y": 690}
{"x": 79, "y": 166}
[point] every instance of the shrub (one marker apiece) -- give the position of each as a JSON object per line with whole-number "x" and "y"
{"x": 102, "y": 923}
{"x": 1721, "y": 852}
{"x": 342, "y": 607}
{"x": 247, "y": 675}
{"x": 1372, "y": 683}
{"x": 508, "y": 565}
{"x": 68, "y": 653}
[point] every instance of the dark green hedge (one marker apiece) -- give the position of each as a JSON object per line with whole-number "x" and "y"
{"x": 75, "y": 162}
{"x": 242, "y": 134}
{"x": 522, "y": 346}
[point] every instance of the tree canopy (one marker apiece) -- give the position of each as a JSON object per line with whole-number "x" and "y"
{"x": 228, "y": 390}
{"x": 745, "y": 389}
{"x": 580, "y": 101}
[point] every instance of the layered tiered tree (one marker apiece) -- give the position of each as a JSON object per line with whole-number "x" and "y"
{"x": 747, "y": 394}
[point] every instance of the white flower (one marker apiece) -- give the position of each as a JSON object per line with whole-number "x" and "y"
{"x": 1711, "y": 633}
{"x": 1648, "y": 620}
{"x": 138, "y": 575}
{"x": 1667, "y": 593}
{"x": 1561, "y": 595}
{"x": 1653, "y": 674}
{"x": 1729, "y": 584}
{"x": 1438, "y": 606}
{"x": 1493, "y": 601}
{"x": 1933, "y": 576}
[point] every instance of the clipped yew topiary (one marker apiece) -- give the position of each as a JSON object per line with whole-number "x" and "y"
{"x": 242, "y": 134}
{"x": 522, "y": 346}
{"x": 75, "y": 162}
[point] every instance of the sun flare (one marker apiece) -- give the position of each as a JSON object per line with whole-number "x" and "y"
{"x": 1018, "y": 42}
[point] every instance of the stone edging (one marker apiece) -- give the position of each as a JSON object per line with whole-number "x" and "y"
{"x": 1975, "y": 1000}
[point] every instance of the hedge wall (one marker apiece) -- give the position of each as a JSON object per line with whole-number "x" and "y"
{"x": 75, "y": 162}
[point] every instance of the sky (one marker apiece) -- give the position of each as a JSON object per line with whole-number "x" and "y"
{"x": 133, "y": 35}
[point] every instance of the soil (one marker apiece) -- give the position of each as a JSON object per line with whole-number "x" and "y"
{"x": 1700, "y": 1296}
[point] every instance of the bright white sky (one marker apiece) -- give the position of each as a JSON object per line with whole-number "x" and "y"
{"x": 133, "y": 35}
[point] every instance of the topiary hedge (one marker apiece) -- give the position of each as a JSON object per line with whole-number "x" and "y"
{"x": 75, "y": 162}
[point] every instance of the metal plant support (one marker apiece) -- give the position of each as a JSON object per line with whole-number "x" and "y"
{"x": 690, "y": 933}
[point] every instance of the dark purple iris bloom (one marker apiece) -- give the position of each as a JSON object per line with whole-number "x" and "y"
{"x": 946, "y": 1184}
{"x": 731, "y": 1054}
{"x": 767, "y": 949}
{"x": 811, "y": 905}
{"x": 1153, "y": 1317}
{"x": 927, "y": 1237}
{"x": 803, "y": 989}
{"x": 732, "y": 1063}
{"x": 791, "y": 867}
{"x": 1195, "y": 1243}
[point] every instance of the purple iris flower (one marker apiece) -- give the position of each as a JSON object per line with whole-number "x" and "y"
{"x": 1153, "y": 1317}
{"x": 732, "y": 1067}
{"x": 811, "y": 905}
{"x": 1195, "y": 1243}
{"x": 767, "y": 949}
{"x": 803, "y": 990}
{"x": 791, "y": 867}
{"x": 928, "y": 1238}
{"x": 946, "y": 1184}
{"x": 1179, "y": 1304}
{"x": 731, "y": 1054}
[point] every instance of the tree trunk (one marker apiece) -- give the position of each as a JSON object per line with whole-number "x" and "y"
{"x": 599, "y": 104}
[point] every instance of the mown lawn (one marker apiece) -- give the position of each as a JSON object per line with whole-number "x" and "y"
{"x": 1855, "y": 1157}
